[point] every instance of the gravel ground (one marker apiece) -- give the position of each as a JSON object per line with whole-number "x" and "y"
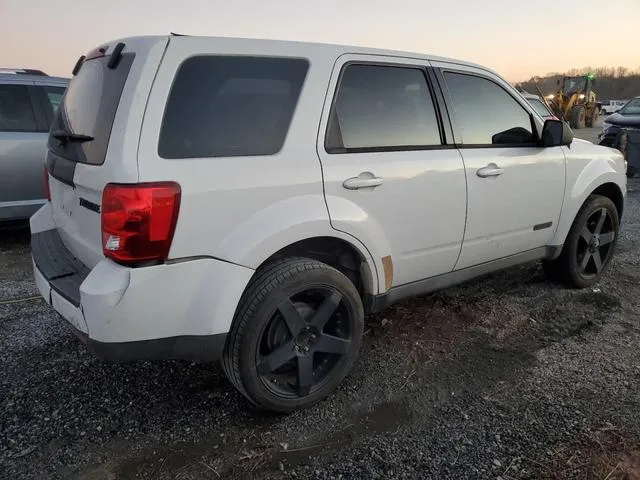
{"x": 506, "y": 377}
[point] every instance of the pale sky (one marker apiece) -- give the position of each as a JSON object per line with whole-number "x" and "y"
{"x": 517, "y": 38}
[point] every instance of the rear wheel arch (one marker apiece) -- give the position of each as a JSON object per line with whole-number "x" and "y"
{"x": 336, "y": 252}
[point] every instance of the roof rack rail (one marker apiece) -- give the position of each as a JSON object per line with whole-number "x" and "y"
{"x": 23, "y": 71}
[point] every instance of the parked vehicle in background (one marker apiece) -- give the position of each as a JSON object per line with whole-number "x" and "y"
{"x": 251, "y": 200}
{"x": 28, "y": 101}
{"x": 621, "y": 130}
{"x": 627, "y": 116}
{"x": 538, "y": 105}
{"x": 612, "y": 106}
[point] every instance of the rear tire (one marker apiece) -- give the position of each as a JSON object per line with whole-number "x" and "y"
{"x": 578, "y": 117}
{"x": 590, "y": 245}
{"x": 295, "y": 336}
{"x": 592, "y": 119}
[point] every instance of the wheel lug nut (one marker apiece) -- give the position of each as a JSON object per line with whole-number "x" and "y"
{"x": 306, "y": 349}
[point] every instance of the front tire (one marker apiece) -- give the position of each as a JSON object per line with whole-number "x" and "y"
{"x": 578, "y": 117}
{"x": 589, "y": 246}
{"x": 296, "y": 335}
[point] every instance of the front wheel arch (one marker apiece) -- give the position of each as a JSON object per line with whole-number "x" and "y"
{"x": 604, "y": 184}
{"x": 613, "y": 193}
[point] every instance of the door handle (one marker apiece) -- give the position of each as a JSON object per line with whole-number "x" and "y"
{"x": 364, "y": 180}
{"x": 491, "y": 170}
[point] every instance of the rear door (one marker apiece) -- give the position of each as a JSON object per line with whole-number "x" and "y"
{"x": 22, "y": 147}
{"x": 390, "y": 176}
{"x": 94, "y": 138}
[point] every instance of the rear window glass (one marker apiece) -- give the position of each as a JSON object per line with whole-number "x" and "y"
{"x": 89, "y": 107}
{"x": 225, "y": 106}
{"x": 54, "y": 95}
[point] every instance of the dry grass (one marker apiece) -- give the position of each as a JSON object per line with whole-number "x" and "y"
{"x": 604, "y": 454}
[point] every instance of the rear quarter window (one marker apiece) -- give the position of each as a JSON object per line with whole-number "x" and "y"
{"x": 16, "y": 112}
{"x": 225, "y": 106}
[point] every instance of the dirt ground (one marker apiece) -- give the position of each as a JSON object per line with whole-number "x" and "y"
{"x": 507, "y": 377}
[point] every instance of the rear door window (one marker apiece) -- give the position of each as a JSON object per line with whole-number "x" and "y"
{"x": 225, "y": 106}
{"x": 382, "y": 108}
{"x": 16, "y": 110}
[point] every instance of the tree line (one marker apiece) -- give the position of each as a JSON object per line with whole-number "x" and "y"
{"x": 611, "y": 83}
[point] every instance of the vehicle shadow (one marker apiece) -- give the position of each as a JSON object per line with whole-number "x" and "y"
{"x": 14, "y": 234}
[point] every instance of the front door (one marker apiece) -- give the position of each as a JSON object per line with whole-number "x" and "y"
{"x": 389, "y": 179}
{"x": 515, "y": 188}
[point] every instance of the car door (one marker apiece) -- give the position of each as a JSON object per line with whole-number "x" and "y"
{"x": 515, "y": 188}
{"x": 22, "y": 149}
{"x": 390, "y": 178}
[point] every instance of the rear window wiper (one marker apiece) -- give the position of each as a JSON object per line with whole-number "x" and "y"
{"x": 65, "y": 136}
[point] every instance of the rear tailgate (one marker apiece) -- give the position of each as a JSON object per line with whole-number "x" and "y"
{"x": 94, "y": 137}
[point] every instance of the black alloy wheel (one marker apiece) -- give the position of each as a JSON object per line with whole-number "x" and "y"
{"x": 589, "y": 246}
{"x": 295, "y": 336}
{"x": 305, "y": 341}
{"x": 595, "y": 244}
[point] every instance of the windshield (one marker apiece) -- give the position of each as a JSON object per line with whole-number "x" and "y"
{"x": 631, "y": 108}
{"x": 89, "y": 108}
{"x": 574, "y": 85}
{"x": 539, "y": 107}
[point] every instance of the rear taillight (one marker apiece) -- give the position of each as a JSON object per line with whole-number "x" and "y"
{"x": 138, "y": 221}
{"x": 47, "y": 189}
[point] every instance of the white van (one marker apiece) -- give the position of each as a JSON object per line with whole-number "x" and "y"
{"x": 252, "y": 200}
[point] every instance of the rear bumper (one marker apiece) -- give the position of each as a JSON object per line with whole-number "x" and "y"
{"x": 171, "y": 311}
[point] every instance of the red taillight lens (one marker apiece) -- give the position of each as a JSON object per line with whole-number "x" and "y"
{"x": 47, "y": 189}
{"x": 138, "y": 221}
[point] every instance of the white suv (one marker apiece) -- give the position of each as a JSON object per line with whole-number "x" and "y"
{"x": 252, "y": 200}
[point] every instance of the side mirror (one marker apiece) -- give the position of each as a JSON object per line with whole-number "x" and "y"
{"x": 556, "y": 133}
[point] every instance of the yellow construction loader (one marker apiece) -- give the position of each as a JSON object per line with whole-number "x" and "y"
{"x": 576, "y": 102}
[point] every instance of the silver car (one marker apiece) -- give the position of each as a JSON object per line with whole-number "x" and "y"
{"x": 539, "y": 105}
{"x": 28, "y": 100}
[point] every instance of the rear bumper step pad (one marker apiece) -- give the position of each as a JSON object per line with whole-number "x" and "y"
{"x": 64, "y": 272}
